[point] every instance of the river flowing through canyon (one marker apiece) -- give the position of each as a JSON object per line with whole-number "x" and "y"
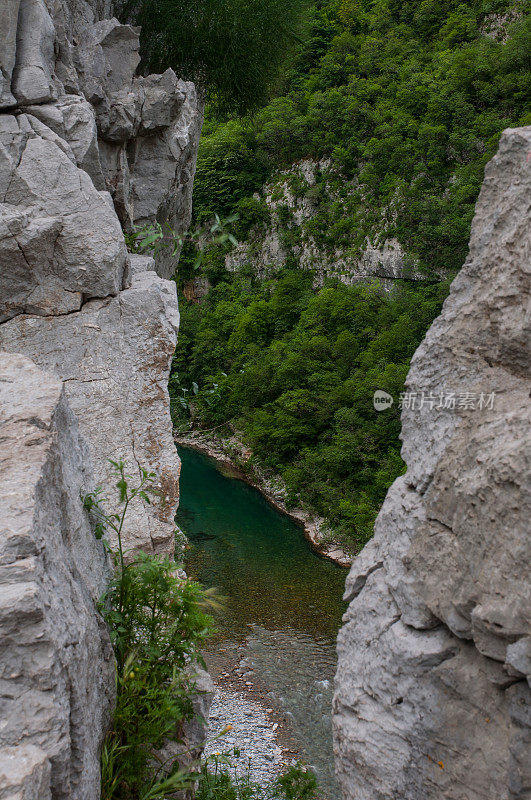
{"x": 282, "y": 607}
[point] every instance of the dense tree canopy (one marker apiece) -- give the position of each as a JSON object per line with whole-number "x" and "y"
{"x": 233, "y": 48}
{"x": 296, "y": 372}
{"x": 402, "y": 103}
{"x": 405, "y": 101}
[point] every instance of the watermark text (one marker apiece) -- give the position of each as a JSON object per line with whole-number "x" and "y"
{"x": 464, "y": 401}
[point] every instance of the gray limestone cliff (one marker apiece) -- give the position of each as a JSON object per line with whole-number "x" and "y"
{"x": 56, "y": 659}
{"x": 88, "y": 148}
{"x": 289, "y": 206}
{"x": 432, "y": 694}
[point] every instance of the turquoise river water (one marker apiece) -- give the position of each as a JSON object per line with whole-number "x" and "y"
{"x": 282, "y": 606}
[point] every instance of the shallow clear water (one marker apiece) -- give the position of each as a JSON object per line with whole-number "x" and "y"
{"x": 283, "y": 602}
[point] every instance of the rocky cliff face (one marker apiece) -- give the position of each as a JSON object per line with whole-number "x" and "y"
{"x": 72, "y": 71}
{"x": 85, "y": 145}
{"x": 290, "y": 206}
{"x": 432, "y": 697}
{"x": 86, "y": 148}
{"x": 114, "y": 356}
{"x": 57, "y": 664}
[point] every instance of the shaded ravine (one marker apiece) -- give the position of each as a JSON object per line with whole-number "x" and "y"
{"x": 283, "y": 605}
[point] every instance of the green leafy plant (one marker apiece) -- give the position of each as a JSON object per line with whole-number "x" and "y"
{"x": 298, "y": 783}
{"x": 155, "y": 238}
{"x": 179, "y": 396}
{"x": 220, "y": 780}
{"x": 150, "y": 239}
{"x": 156, "y": 625}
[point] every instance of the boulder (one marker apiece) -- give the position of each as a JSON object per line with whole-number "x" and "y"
{"x": 59, "y": 240}
{"x": 8, "y": 48}
{"x": 72, "y": 119}
{"x": 34, "y": 62}
{"x": 106, "y": 59}
{"x": 163, "y": 168}
{"x": 114, "y": 357}
{"x": 432, "y": 690}
{"x": 57, "y": 665}
{"x": 162, "y": 96}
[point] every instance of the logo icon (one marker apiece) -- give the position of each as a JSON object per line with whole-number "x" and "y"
{"x": 381, "y": 400}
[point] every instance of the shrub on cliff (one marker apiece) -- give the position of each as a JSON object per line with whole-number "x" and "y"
{"x": 156, "y": 626}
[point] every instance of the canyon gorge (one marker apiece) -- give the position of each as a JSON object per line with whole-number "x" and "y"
{"x": 432, "y": 698}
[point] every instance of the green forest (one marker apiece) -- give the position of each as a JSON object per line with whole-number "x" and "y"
{"x": 404, "y": 103}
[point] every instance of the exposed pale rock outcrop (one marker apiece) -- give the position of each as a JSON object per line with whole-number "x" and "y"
{"x": 92, "y": 132}
{"x": 60, "y": 241}
{"x": 86, "y": 146}
{"x": 148, "y": 129}
{"x": 57, "y": 665}
{"x": 268, "y": 248}
{"x": 432, "y": 697}
{"x": 114, "y": 356}
{"x": 74, "y": 74}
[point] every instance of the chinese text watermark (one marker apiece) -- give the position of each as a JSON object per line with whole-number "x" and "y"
{"x": 450, "y": 401}
{"x": 467, "y": 401}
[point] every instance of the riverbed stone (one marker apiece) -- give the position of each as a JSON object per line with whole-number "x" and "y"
{"x": 251, "y": 734}
{"x": 431, "y": 696}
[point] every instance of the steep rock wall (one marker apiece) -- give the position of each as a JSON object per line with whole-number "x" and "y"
{"x": 72, "y": 69}
{"x": 291, "y": 209}
{"x": 57, "y": 665}
{"x": 86, "y": 147}
{"x": 432, "y": 697}
{"x": 114, "y": 357}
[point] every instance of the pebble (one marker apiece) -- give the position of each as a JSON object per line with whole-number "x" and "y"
{"x": 252, "y": 734}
